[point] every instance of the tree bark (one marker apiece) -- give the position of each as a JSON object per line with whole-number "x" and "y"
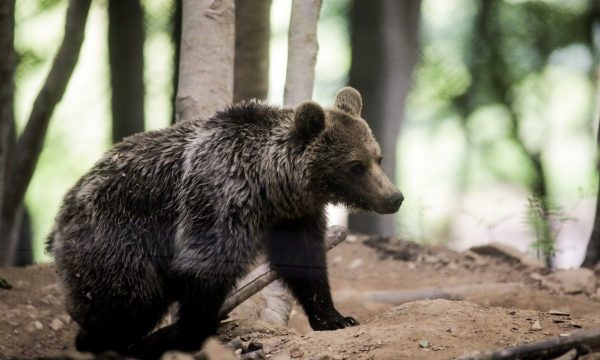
{"x": 252, "y": 37}
{"x": 302, "y": 51}
{"x": 29, "y": 145}
{"x": 207, "y": 58}
{"x": 7, "y": 89}
{"x": 385, "y": 37}
{"x": 126, "y": 58}
{"x": 176, "y": 39}
{"x": 24, "y": 253}
{"x": 592, "y": 253}
{"x": 299, "y": 82}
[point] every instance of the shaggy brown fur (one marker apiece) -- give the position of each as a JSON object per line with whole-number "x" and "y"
{"x": 178, "y": 215}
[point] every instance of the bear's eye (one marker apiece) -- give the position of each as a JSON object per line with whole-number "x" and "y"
{"x": 357, "y": 168}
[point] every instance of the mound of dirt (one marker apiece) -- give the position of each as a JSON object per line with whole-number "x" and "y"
{"x": 427, "y": 329}
{"x": 483, "y": 301}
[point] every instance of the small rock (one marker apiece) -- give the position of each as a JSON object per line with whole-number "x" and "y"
{"x": 452, "y": 266}
{"x": 213, "y": 349}
{"x": 326, "y": 356}
{"x": 537, "y": 277}
{"x": 576, "y": 325}
{"x": 351, "y": 239}
{"x": 56, "y": 324}
{"x": 65, "y": 318}
{"x": 559, "y": 313}
{"x": 50, "y": 300}
{"x": 4, "y": 284}
{"x": 536, "y": 326}
{"x": 176, "y": 355}
{"x": 296, "y": 353}
{"x": 355, "y": 263}
{"x": 235, "y": 344}
{"x": 572, "y": 281}
{"x": 476, "y": 258}
{"x": 22, "y": 284}
{"x": 507, "y": 253}
{"x": 38, "y": 325}
{"x": 424, "y": 344}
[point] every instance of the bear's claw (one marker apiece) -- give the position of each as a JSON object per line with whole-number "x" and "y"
{"x": 333, "y": 322}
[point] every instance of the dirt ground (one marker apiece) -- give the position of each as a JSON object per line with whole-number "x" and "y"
{"x": 482, "y": 302}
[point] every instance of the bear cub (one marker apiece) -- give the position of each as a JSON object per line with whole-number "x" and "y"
{"x": 180, "y": 214}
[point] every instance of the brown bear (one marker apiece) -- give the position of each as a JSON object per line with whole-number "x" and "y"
{"x": 179, "y": 215}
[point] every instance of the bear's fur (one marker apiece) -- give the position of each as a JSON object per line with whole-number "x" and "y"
{"x": 179, "y": 215}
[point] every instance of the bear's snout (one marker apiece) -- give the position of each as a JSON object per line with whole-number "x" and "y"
{"x": 395, "y": 201}
{"x": 390, "y": 204}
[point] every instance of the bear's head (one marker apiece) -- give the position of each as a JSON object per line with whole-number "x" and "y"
{"x": 344, "y": 160}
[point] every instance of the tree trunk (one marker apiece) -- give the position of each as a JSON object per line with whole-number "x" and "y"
{"x": 7, "y": 88}
{"x": 384, "y": 52}
{"x": 299, "y": 82}
{"x": 28, "y": 147}
{"x": 207, "y": 52}
{"x": 252, "y": 37}
{"x": 302, "y": 51}
{"x": 24, "y": 253}
{"x": 176, "y": 39}
{"x": 126, "y": 58}
{"x": 592, "y": 253}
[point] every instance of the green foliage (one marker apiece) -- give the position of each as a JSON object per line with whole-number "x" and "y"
{"x": 545, "y": 220}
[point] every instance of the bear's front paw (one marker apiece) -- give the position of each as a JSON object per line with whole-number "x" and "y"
{"x": 332, "y": 322}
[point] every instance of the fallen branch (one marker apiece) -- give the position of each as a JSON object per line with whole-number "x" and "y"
{"x": 584, "y": 341}
{"x": 263, "y": 275}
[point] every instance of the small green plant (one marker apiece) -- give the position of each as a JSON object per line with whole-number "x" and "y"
{"x": 546, "y": 220}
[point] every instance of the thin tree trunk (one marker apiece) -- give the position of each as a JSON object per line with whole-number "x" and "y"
{"x": 24, "y": 253}
{"x": 592, "y": 253}
{"x": 299, "y": 82}
{"x": 7, "y": 88}
{"x": 302, "y": 51}
{"x": 385, "y": 37}
{"x": 252, "y": 37}
{"x": 207, "y": 58}
{"x": 176, "y": 39}
{"x": 126, "y": 58}
{"x": 29, "y": 145}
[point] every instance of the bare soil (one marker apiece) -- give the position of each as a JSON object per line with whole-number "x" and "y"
{"x": 488, "y": 302}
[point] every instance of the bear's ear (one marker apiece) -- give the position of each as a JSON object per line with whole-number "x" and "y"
{"x": 309, "y": 118}
{"x": 349, "y": 100}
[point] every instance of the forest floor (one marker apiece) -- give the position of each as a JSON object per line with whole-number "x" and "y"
{"x": 487, "y": 299}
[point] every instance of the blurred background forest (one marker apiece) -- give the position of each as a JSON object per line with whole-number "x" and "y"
{"x": 486, "y": 109}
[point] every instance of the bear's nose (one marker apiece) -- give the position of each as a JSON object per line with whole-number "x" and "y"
{"x": 395, "y": 200}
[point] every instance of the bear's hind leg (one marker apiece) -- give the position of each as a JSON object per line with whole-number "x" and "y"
{"x": 198, "y": 318}
{"x": 117, "y": 330}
